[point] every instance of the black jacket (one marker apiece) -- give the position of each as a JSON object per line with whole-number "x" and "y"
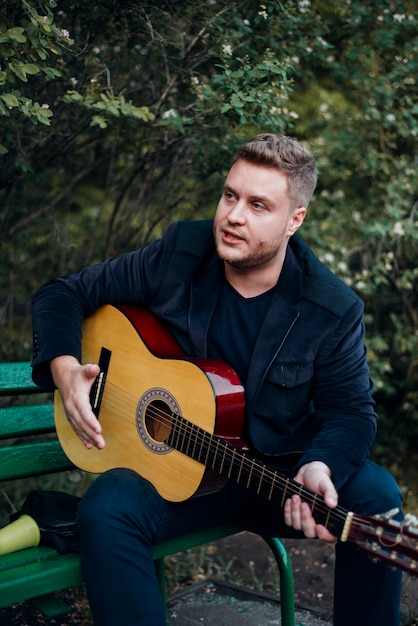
{"x": 308, "y": 387}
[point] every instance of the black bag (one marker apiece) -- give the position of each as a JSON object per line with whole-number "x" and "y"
{"x": 55, "y": 512}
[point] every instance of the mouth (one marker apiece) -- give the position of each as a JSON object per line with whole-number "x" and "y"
{"x": 230, "y": 237}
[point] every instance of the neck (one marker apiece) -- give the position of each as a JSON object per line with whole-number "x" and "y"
{"x": 252, "y": 282}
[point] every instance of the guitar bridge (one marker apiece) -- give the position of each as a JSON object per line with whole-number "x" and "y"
{"x": 97, "y": 389}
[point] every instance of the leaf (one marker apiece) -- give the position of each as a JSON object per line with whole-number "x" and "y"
{"x": 17, "y": 68}
{"x": 31, "y": 68}
{"x": 98, "y": 120}
{"x": 16, "y": 34}
{"x": 10, "y": 99}
{"x": 3, "y": 149}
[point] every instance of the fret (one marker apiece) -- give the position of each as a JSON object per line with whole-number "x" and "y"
{"x": 215, "y": 454}
{"x": 250, "y": 473}
{"x": 221, "y": 468}
{"x": 202, "y": 440}
{"x": 240, "y": 468}
{"x": 198, "y": 457}
{"x": 284, "y": 492}
{"x": 273, "y": 484}
{"x": 186, "y": 444}
{"x": 195, "y": 442}
{"x": 205, "y": 462}
{"x": 261, "y": 480}
{"x": 172, "y": 439}
{"x": 326, "y": 521}
{"x": 232, "y": 463}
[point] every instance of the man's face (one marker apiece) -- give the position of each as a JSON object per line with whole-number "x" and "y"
{"x": 253, "y": 221}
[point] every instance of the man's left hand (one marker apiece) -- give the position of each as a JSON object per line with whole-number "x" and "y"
{"x": 297, "y": 514}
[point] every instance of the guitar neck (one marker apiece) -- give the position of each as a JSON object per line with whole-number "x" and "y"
{"x": 216, "y": 454}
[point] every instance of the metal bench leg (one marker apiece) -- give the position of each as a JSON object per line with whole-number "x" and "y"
{"x": 287, "y": 602}
{"x": 287, "y": 588}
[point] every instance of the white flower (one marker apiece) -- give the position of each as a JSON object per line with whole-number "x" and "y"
{"x": 169, "y": 113}
{"x": 263, "y": 14}
{"x": 65, "y": 33}
{"x": 304, "y": 5}
{"x": 227, "y": 49}
{"x": 398, "y": 229}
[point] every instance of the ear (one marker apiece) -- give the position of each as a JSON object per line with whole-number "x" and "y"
{"x": 296, "y": 220}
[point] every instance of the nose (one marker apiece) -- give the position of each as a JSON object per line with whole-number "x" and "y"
{"x": 236, "y": 214}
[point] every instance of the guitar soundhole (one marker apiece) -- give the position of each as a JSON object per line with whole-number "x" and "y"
{"x": 158, "y": 420}
{"x": 154, "y": 418}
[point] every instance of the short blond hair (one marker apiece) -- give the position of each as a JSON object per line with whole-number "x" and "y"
{"x": 288, "y": 155}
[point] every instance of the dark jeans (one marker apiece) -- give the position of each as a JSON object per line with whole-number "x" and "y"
{"x": 122, "y": 515}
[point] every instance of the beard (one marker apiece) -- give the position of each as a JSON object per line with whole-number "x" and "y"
{"x": 261, "y": 254}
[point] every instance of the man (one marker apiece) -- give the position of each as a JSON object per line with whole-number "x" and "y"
{"x": 245, "y": 290}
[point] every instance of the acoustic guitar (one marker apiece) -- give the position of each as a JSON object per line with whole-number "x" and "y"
{"x": 177, "y": 421}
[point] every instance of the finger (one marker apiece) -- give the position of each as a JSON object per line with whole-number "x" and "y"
{"x": 307, "y": 521}
{"x": 87, "y": 427}
{"x": 91, "y": 370}
{"x": 330, "y": 496}
{"x": 288, "y": 512}
{"x": 292, "y": 512}
{"x": 324, "y": 534}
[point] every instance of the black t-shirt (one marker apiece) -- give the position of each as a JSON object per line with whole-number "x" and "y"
{"x": 234, "y": 328}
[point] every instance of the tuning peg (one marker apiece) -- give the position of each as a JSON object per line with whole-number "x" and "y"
{"x": 388, "y": 515}
{"x": 410, "y": 520}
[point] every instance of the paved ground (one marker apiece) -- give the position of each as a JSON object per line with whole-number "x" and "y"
{"x": 226, "y": 605}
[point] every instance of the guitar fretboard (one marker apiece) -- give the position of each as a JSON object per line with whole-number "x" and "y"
{"x": 218, "y": 455}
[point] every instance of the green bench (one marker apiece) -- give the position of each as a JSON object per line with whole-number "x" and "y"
{"x": 28, "y": 448}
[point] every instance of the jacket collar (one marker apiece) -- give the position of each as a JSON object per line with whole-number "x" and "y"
{"x": 277, "y": 323}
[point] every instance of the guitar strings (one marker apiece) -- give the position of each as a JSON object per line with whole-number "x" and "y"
{"x": 217, "y": 447}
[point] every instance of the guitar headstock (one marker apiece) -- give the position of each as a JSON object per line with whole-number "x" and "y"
{"x": 395, "y": 543}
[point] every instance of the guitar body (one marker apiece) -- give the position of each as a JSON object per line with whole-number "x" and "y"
{"x": 147, "y": 377}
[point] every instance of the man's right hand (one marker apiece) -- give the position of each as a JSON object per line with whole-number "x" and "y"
{"x": 74, "y": 382}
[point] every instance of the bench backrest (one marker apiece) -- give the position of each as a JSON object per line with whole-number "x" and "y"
{"x": 28, "y": 442}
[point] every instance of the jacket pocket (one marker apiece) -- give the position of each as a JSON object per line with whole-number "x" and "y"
{"x": 290, "y": 374}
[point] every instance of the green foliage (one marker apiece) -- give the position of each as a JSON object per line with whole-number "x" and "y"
{"x": 108, "y": 105}
{"x": 24, "y": 49}
{"x": 149, "y": 99}
{"x": 364, "y": 221}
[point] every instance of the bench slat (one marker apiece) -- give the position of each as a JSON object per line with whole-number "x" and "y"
{"x": 29, "y": 580}
{"x": 32, "y": 459}
{"x": 17, "y": 421}
{"x": 16, "y": 378}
